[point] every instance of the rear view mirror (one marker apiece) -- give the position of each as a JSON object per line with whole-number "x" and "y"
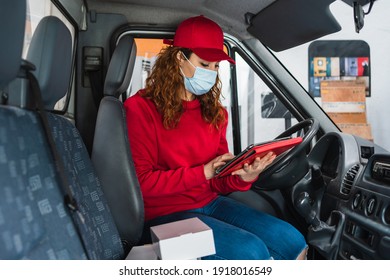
{"x": 359, "y": 13}
{"x": 358, "y": 16}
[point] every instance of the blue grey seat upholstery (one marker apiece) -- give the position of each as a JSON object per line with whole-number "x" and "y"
{"x": 34, "y": 221}
{"x": 111, "y": 153}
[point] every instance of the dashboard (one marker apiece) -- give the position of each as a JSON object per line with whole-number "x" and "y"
{"x": 353, "y": 199}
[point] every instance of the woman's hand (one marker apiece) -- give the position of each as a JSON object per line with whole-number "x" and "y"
{"x": 250, "y": 172}
{"x": 209, "y": 168}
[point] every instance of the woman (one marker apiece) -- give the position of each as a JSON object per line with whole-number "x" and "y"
{"x": 177, "y": 129}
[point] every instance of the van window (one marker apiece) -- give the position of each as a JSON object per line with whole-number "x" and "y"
{"x": 147, "y": 51}
{"x": 262, "y": 115}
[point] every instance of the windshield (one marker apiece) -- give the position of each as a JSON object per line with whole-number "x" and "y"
{"x": 347, "y": 72}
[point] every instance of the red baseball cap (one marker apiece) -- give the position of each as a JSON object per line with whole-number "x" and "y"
{"x": 203, "y": 36}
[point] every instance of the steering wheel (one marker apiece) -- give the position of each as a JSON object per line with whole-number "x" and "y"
{"x": 291, "y": 166}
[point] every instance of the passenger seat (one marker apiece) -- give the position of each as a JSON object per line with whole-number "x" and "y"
{"x": 34, "y": 220}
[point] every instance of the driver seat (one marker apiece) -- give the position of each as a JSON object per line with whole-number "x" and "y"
{"x": 111, "y": 155}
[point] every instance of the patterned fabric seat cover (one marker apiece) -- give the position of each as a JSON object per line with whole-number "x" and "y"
{"x": 34, "y": 223}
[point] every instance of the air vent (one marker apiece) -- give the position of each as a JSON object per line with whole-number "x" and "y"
{"x": 349, "y": 178}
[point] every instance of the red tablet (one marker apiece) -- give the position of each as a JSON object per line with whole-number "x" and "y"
{"x": 277, "y": 146}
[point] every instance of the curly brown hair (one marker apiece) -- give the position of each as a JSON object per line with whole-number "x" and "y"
{"x": 165, "y": 85}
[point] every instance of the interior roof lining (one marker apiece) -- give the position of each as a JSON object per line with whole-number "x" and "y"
{"x": 165, "y": 13}
{"x": 293, "y": 22}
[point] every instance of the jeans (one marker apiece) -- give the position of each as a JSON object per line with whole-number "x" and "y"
{"x": 241, "y": 232}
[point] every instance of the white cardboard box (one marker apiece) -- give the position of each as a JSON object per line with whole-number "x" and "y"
{"x": 183, "y": 240}
{"x": 144, "y": 252}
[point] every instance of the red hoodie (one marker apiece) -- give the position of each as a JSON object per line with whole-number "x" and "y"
{"x": 170, "y": 162}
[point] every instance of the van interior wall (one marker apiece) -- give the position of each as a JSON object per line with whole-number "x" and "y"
{"x": 376, "y": 26}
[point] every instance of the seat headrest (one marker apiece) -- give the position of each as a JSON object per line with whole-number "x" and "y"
{"x": 13, "y": 22}
{"x": 51, "y": 52}
{"x": 121, "y": 67}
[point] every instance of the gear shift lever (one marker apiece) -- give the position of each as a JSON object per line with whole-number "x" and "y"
{"x": 304, "y": 208}
{"x": 324, "y": 236}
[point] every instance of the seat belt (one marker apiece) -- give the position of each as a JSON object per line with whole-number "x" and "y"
{"x": 93, "y": 69}
{"x": 95, "y": 78}
{"x": 69, "y": 199}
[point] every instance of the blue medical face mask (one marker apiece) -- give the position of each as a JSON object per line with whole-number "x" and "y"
{"x": 202, "y": 81}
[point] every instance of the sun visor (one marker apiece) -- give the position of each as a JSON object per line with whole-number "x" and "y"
{"x": 288, "y": 23}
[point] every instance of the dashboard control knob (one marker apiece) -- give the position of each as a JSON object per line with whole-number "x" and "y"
{"x": 370, "y": 208}
{"x": 356, "y": 200}
{"x": 386, "y": 215}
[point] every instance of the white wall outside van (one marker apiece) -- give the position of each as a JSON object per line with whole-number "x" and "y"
{"x": 376, "y": 32}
